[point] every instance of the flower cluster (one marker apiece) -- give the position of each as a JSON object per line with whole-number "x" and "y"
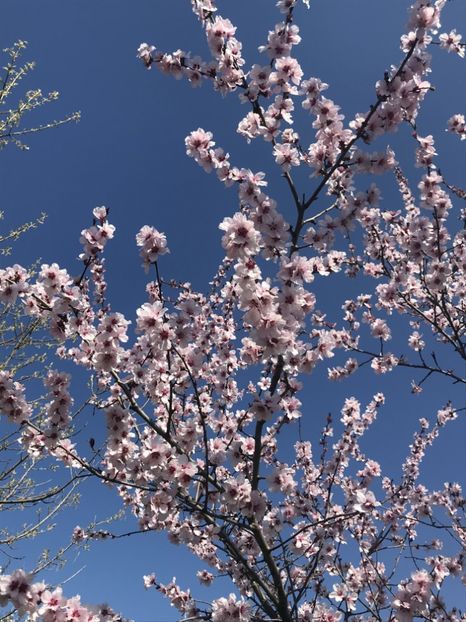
{"x": 230, "y": 610}
{"x": 413, "y": 596}
{"x": 52, "y": 436}
{"x": 456, "y": 124}
{"x": 13, "y": 281}
{"x": 12, "y": 399}
{"x": 42, "y": 602}
{"x": 95, "y": 238}
{"x": 152, "y": 243}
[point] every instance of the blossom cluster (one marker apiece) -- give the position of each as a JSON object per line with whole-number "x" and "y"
{"x": 39, "y": 601}
{"x": 456, "y": 124}
{"x": 52, "y": 436}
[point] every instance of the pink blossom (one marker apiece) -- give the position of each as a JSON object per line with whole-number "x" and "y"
{"x": 230, "y": 610}
{"x": 153, "y": 243}
{"x": 286, "y": 156}
{"x": 241, "y": 239}
{"x": 145, "y": 54}
{"x": 452, "y": 43}
{"x": 456, "y": 124}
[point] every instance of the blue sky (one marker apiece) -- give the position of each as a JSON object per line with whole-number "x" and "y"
{"x": 128, "y": 153}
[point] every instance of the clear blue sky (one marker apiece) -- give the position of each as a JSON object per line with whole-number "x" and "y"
{"x": 128, "y": 153}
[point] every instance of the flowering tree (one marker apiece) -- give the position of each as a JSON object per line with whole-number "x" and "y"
{"x": 199, "y": 400}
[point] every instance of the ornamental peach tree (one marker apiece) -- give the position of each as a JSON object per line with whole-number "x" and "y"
{"x": 200, "y": 400}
